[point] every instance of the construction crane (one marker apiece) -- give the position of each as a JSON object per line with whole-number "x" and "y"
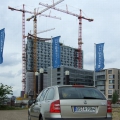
{"x": 35, "y": 39}
{"x": 23, "y": 41}
{"x": 23, "y": 44}
{"x": 80, "y": 17}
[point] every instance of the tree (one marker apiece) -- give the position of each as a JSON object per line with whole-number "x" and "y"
{"x": 115, "y": 97}
{"x": 4, "y": 91}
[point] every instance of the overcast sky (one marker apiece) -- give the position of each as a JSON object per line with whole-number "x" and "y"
{"x": 104, "y": 29}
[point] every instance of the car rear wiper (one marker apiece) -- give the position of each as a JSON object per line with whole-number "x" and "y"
{"x": 91, "y": 98}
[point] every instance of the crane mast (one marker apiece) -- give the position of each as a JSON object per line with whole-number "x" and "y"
{"x": 80, "y": 54}
{"x": 23, "y": 51}
{"x": 80, "y": 17}
{"x": 23, "y": 44}
{"x": 34, "y": 50}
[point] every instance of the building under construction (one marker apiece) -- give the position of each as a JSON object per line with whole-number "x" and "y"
{"x": 69, "y": 55}
{"x": 69, "y": 61}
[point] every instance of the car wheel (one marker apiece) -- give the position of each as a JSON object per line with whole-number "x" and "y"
{"x": 29, "y": 117}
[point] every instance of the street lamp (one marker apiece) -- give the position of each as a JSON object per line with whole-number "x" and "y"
{"x": 67, "y": 77}
{"x": 36, "y": 83}
{"x": 41, "y": 78}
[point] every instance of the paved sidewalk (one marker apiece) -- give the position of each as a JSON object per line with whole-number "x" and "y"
{"x": 13, "y": 114}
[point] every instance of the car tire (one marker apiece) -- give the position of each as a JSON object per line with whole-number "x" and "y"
{"x": 29, "y": 117}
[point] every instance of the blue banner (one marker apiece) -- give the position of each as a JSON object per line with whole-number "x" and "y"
{"x": 2, "y": 38}
{"x": 56, "y": 52}
{"x": 99, "y": 57}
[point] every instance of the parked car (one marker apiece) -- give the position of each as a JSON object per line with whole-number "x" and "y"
{"x": 70, "y": 102}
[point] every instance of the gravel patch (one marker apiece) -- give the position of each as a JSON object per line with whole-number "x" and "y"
{"x": 13, "y": 114}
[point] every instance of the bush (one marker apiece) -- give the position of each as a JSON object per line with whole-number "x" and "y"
{"x": 115, "y": 97}
{"x": 4, "y": 91}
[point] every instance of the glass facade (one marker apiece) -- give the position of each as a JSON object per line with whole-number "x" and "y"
{"x": 76, "y": 76}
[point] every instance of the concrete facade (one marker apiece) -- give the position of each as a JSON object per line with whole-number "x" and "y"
{"x": 108, "y": 80}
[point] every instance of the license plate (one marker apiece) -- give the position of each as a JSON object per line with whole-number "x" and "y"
{"x": 85, "y": 109}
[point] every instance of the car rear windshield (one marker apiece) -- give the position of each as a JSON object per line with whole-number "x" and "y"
{"x": 80, "y": 93}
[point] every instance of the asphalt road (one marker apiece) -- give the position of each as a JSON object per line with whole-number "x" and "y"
{"x": 13, "y": 114}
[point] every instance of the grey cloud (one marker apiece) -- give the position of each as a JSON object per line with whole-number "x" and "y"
{"x": 10, "y": 59}
{"x": 110, "y": 60}
{"x": 10, "y": 74}
{"x": 7, "y": 74}
{"x": 19, "y": 73}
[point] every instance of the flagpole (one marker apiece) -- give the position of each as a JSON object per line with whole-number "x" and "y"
{"x": 51, "y": 60}
{"x": 94, "y": 62}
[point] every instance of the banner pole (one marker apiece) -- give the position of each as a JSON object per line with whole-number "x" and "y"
{"x": 51, "y": 60}
{"x": 94, "y": 62}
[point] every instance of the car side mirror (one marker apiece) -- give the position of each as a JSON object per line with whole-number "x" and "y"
{"x": 30, "y": 102}
{"x": 34, "y": 101}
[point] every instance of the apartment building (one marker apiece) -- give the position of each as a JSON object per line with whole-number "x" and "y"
{"x": 107, "y": 81}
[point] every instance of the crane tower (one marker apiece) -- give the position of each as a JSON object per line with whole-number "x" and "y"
{"x": 23, "y": 44}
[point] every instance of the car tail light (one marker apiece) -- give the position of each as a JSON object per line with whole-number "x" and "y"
{"x": 109, "y": 107}
{"x": 55, "y": 107}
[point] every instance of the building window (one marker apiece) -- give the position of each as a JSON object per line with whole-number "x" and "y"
{"x": 58, "y": 83}
{"x": 58, "y": 69}
{"x": 109, "y": 71}
{"x": 111, "y": 86}
{"x": 109, "y": 91}
{"x": 109, "y": 96}
{"x": 111, "y": 81}
{"x": 111, "y": 76}
{"x": 58, "y": 78}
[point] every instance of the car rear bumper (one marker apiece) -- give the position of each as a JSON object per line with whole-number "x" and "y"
{"x": 78, "y": 118}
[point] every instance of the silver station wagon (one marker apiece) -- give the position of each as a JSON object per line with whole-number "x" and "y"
{"x": 70, "y": 102}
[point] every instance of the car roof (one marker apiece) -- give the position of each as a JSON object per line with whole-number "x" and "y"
{"x": 85, "y": 86}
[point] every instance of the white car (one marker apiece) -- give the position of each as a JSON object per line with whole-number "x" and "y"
{"x": 70, "y": 102}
